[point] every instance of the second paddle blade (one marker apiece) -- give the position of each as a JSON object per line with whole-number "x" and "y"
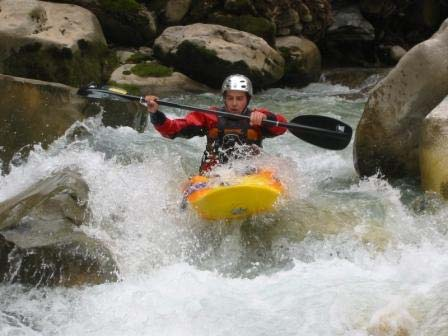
{"x": 321, "y": 131}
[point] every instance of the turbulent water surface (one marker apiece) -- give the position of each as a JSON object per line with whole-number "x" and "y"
{"x": 342, "y": 256}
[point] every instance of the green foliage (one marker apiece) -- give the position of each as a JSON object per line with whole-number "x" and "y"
{"x": 151, "y": 70}
{"x": 120, "y": 6}
{"x": 138, "y": 58}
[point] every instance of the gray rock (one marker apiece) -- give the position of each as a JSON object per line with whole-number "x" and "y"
{"x": 40, "y": 243}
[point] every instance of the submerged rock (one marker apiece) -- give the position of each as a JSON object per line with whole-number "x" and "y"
{"x": 40, "y": 242}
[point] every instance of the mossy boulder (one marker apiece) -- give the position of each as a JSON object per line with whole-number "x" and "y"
{"x": 171, "y": 83}
{"x": 208, "y": 53}
{"x": 151, "y": 69}
{"x": 52, "y": 42}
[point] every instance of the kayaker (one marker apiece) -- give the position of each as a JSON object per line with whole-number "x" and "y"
{"x": 227, "y": 137}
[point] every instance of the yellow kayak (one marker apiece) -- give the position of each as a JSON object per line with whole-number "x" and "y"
{"x": 237, "y": 197}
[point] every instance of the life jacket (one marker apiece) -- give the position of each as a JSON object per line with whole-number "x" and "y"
{"x": 231, "y": 138}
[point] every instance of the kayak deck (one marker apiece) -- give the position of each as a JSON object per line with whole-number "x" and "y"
{"x": 217, "y": 198}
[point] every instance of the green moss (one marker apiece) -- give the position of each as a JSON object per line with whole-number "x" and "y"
{"x": 93, "y": 63}
{"x": 120, "y": 6}
{"x": 151, "y": 70}
{"x": 138, "y": 58}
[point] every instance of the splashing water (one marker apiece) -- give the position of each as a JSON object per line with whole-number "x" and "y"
{"x": 342, "y": 256}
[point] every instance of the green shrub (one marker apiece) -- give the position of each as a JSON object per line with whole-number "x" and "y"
{"x": 151, "y": 70}
{"x": 138, "y": 58}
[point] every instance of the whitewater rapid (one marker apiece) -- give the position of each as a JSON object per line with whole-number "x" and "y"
{"x": 342, "y": 256}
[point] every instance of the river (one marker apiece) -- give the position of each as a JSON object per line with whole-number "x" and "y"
{"x": 342, "y": 256}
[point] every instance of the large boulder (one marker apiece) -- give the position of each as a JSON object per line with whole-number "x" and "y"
{"x": 434, "y": 150}
{"x": 208, "y": 53}
{"x": 388, "y": 134}
{"x": 34, "y": 112}
{"x": 53, "y": 42}
{"x": 40, "y": 239}
{"x": 302, "y": 60}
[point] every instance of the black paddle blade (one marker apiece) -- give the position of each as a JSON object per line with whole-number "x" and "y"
{"x": 321, "y": 131}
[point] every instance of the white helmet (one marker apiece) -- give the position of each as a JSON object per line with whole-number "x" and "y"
{"x": 237, "y": 83}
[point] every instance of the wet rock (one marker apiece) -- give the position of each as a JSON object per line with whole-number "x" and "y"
{"x": 34, "y": 112}
{"x": 388, "y": 134}
{"x": 434, "y": 150}
{"x": 40, "y": 242}
{"x": 208, "y": 53}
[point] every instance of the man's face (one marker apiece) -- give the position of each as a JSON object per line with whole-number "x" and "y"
{"x": 235, "y": 101}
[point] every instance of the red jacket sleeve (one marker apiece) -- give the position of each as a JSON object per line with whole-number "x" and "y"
{"x": 194, "y": 124}
{"x": 270, "y": 130}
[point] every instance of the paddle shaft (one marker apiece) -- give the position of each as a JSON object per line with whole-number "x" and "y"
{"x": 225, "y": 114}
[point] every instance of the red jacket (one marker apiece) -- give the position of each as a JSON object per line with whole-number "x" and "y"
{"x": 213, "y": 126}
